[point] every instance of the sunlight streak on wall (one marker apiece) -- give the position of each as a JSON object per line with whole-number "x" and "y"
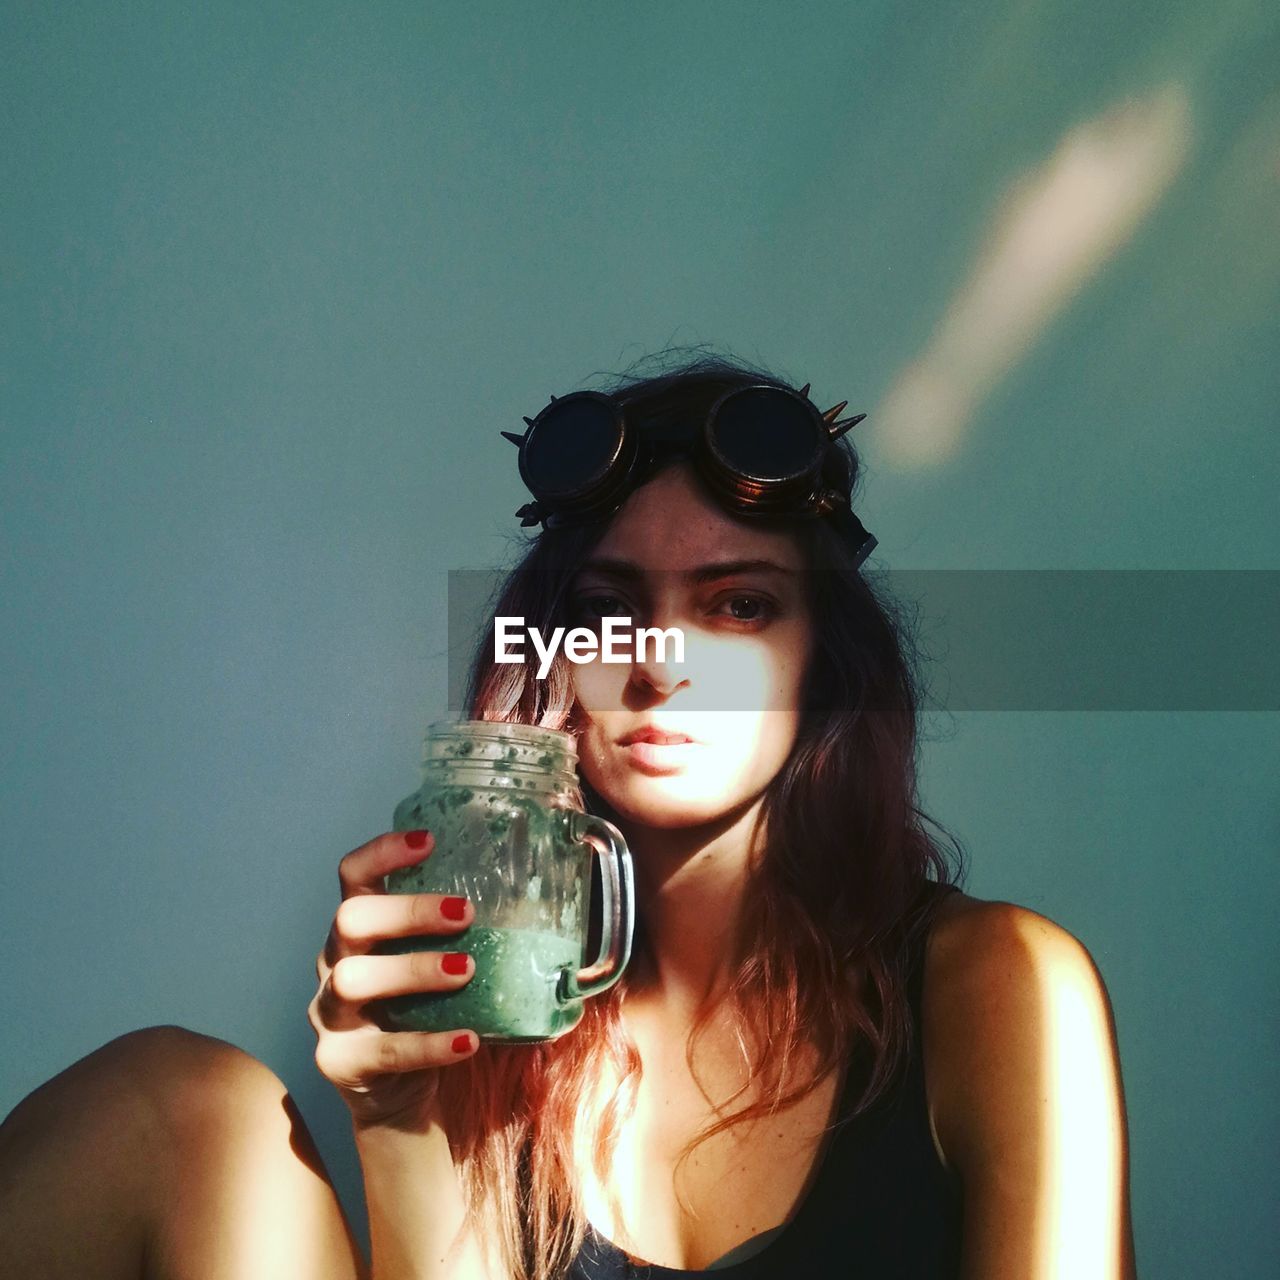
{"x": 1053, "y": 230}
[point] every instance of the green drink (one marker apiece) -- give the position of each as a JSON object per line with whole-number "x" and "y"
{"x": 503, "y": 803}
{"x": 513, "y": 993}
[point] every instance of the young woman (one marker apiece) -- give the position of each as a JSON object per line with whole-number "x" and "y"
{"x": 822, "y": 1060}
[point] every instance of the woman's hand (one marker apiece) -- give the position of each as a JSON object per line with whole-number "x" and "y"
{"x": 385, "y": 1077}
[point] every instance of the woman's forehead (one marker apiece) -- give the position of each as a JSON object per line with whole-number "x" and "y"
{"x": 672, "y": 523}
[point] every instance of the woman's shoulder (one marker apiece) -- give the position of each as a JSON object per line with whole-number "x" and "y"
{"x": 969, "y": 933}
{"x": 1000, "y": 979}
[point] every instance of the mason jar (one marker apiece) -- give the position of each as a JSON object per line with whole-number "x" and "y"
{"x": 512, "y": 834}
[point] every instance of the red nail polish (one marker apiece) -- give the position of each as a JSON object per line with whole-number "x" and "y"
{"x": 461, "y": 1044}
{"x": 454, "y": 962}
{"x": 416, "y": 839}
{"x": 453, "y": 908}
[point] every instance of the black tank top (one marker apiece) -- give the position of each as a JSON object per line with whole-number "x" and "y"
{"x": 881, "y": 1205}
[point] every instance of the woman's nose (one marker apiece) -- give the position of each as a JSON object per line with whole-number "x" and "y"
{"x": 662, "y": 677}
{"x": 658, "y": 657}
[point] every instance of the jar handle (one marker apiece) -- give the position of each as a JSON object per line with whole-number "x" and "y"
{"x": 618, "y": 917}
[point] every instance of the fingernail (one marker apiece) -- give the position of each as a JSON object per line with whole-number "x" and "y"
{"x": 462, "y": 1044}
{"x": 454, "y": 962}
{"x": 416, "y": 839}
{"x": 453, "y": 908}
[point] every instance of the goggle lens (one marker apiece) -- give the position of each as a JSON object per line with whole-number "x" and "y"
{"x": 766, "y": 434}
{"x": 574, "y": 443}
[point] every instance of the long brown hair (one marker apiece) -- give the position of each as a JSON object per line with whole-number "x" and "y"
{"x": 844, "y": 858}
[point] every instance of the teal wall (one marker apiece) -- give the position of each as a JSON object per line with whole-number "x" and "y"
{"x": 274, "y": 276}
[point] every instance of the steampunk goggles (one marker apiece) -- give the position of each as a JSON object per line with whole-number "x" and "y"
{"x": 762, "y": 451}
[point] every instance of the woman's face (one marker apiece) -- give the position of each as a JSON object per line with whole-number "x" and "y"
{"x": 672, "y": 557}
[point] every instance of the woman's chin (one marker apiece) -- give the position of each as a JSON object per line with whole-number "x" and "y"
{"x": 649, "y": 804}
{"x": 673, "y": 819}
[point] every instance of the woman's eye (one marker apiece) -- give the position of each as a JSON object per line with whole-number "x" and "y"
{"x": 750, "y": 608}
{"x": 747, "y": 610}
{"x": 594, "y": 608}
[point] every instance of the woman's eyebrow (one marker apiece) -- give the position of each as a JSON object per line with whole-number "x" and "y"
{"x": 628, "y": 571}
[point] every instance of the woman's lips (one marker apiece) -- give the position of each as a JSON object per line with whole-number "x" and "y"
{"x": 658, "y": 758}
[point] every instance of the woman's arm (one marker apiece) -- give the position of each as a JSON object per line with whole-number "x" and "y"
{"x": 1033, "y": 1099}
{"x": 389, "y": 1079}
{"x": 415, "y": 1205}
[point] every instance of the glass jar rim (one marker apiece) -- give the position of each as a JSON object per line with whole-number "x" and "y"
{"x": 506, "y": 731}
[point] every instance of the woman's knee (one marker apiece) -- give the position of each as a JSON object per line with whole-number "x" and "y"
{"x": 104, "y": 1089}
{"x": 192, "y": 1082}
{"x": 244, "y": 1177}
{"x": 159, "y": 1083}
{"x": 83, "y": 1157}
{"x": 171, "y": 1126}
{"x": 168, "y": 1056}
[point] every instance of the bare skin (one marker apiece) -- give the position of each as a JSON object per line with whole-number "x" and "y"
{"x": 166, "y": 1154}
